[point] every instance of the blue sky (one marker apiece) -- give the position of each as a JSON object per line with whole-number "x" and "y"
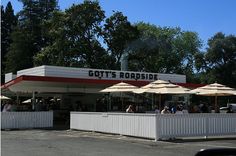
{"x": 206, "y": 17}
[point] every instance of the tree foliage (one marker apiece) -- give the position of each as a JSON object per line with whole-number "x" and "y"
{"x": 31, "y": 19}
{"x": 81, "y": 36}
{"x": 219, "y": 62}
{"x": 8, "y": 22}
{"x": 164, "y": 50}
{"x": 118, "y": 34}
{"x": 75, "y": 34}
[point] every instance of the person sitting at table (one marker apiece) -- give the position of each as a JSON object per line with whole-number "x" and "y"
{"x": 165, "y": 110}
{"x": 179, "y": 109}
{"x": 130, "y": 109}
{"x": 156, "y": 110}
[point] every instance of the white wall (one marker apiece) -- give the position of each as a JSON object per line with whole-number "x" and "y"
{"x": 9, "y": 77}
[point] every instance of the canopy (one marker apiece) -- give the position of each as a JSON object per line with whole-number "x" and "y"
{"x": 120, "y": 87}
{"x": 4, "y": 98}
{"x": 214, "y": 89}
{"x": 162, "y": 87}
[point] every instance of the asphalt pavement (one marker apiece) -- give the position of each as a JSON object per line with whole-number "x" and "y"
{"x": 80, "y": 143}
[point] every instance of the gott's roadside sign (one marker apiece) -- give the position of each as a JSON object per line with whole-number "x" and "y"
{"x": 89, "y": 73}
{"x": 122, "y": 75}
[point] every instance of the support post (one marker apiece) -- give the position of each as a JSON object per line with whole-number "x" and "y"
{"x": 160, "y": 102}
{"x": 33, "y": 100}
{"x": 17, "y": 99}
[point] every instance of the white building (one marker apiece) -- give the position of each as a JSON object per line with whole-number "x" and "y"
{"x": 78, "y": 85}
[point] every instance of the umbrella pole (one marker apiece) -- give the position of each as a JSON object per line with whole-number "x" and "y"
{"x": 216, "y": 107}
{"x": 17, "y": 99}
{"x": 160, "y": 102}
{"x": 108, "y": 102}
{"x": 33, "y": 102}
{"x": 122, "y": 105}
{"x": 152, "y": 100}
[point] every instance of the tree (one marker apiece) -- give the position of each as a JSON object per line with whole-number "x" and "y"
{"x": 219, "y": 62}
{"x": 18, "y": 56}
{"x": 31, "y": 19}
{"x": 75, "y": 35}
{"x": 164, "y": 50}
{"x": 8, "y": 22}
{"x": 118, "y": 35}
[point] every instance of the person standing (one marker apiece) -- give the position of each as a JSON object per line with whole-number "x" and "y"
{"x": 165, "y": 110}
{"x": 7, "y": 107}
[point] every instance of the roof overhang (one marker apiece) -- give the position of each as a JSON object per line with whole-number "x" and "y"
{"x": 28, "y": 84}
{"x": 45, "y": 84}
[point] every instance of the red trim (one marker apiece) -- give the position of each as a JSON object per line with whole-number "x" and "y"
{"x": 68, "y": 80}
{"x": 88, "y": 81}
{"x": 78, "y": 80}
{"x": 12, "y": 82}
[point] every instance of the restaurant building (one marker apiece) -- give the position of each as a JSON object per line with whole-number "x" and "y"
{"x": 78, "y": 88}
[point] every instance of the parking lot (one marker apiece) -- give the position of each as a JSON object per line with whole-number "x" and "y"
{"x": 81, "y": 143}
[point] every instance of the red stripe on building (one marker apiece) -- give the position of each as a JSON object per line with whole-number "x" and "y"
{"x": 88, "y": 81}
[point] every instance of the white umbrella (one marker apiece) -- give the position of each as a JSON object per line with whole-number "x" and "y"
{"x": 120, "y": 87}
{"x": 162, "y": 87}
{"x": 216, "y": 90}
{"x": 27, "y": 101}
{"x": 55, "y": 99}
{"x": 4, "y": 98}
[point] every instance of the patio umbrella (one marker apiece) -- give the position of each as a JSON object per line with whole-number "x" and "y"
{"x": 4, "y": 98}
{"x": 120, "y": 87}
{"x": 215, "y": 90}
{"x": 27, "y": 101}
{"x": 162, "y": 87}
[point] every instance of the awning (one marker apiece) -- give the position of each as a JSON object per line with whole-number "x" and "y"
{"x": 29, "y": 84}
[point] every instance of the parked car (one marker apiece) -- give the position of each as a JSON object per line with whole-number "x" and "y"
{"x": 232, "y": 105}
{"x": 217, "y": 152}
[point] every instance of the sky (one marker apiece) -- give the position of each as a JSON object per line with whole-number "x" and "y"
{"x": 206, "y": 17}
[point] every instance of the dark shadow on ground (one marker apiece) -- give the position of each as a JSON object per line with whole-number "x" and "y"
{"x": 178, "y": 140}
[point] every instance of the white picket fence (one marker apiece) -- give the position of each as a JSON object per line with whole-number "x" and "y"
{"x": 12, "y": 120}
{"x": 155, "y": 126}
